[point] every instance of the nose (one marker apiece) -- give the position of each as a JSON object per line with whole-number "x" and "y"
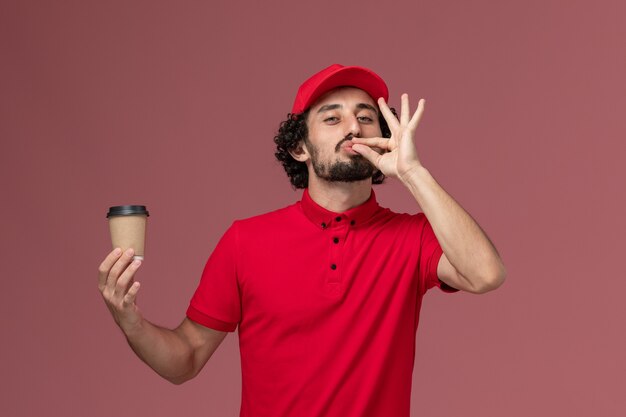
{"x": 353, "y": 126}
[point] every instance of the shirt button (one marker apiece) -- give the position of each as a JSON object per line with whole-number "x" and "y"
{"x": 333, "y": 266}
{"x": 336, "y": 239}
{"x": 352, "y": 222}
{"x": 338, "y": 218}
{"x": 323, "y": 225}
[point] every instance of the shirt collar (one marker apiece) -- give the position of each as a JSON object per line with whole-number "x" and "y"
{"x": 324, "y": 219}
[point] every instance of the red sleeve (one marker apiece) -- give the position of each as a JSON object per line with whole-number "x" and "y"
{"x": 430, "y": 253}
{"x": 217, "y": 302}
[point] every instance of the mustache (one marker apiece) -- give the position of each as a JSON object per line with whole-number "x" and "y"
{"x": 349, "y": 137}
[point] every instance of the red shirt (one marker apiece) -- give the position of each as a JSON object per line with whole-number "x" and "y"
{"x": 327, "y": 306}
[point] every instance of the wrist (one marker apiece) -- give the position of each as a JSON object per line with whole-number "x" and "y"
{"x": 413, "y": 177}
{"x": 131, "y": 330}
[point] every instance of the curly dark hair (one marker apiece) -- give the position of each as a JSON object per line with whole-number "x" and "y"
{"x": 293, "y": 130}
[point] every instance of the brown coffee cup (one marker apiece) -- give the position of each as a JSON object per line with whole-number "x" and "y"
{"x": 127, "y": 225}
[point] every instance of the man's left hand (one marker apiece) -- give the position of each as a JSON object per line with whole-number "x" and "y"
{"x": 399, "y": 157}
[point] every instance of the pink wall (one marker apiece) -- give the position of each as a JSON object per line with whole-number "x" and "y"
{"x": 174, "y": 105}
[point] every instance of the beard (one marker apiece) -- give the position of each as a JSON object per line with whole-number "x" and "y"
{"x": 356, "y": 169}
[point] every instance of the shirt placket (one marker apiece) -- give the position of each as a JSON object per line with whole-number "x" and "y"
{"x": 337, "y": 235}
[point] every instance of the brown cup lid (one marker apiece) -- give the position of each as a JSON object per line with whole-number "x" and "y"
{"x": 127, "y": 211}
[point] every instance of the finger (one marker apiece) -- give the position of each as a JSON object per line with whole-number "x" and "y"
{"x": 126, "y": 278}
{"x": 417, "y": 116}
{"x": 131, "y": 295}
{"x": 382, "y": 143}
{"x": 105, "y": 267}
{"x": 368, "y": 153}
{"x": 118, "y": 268}
{"x": 392, "y": 122}
{"x": 404, "y": 110}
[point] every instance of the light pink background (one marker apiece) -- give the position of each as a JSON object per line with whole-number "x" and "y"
{"x": 175, "y": 104}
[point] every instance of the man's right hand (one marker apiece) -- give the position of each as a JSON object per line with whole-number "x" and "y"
{"x": 118, "y": 288}
{"x": 177, "y": 355}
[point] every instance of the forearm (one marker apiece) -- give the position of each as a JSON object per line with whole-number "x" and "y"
{"x": 164, "y": 350}
{"x": 465, "y": 245}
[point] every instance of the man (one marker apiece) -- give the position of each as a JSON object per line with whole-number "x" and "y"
{"x": 326, "y": 292}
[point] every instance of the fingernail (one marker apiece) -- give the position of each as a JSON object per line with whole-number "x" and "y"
{"x": 117, "y": 251}
{"x": 136, "y": 262}
{"x": 130, "y": 252}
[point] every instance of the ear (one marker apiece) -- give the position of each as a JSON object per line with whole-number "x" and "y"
{"x": 300, "y": 153}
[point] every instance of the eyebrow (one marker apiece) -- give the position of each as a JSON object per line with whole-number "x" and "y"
{"x": 328, "y": 107}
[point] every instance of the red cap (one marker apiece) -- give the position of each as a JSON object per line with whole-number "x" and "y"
{"x": 339, "y": 76}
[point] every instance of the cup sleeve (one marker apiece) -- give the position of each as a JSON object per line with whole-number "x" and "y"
{"x": 216, "y": 302}
{"x": 430, "y": 253}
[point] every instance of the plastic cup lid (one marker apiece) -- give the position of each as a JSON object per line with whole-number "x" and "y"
{"x": 127, "y": 211}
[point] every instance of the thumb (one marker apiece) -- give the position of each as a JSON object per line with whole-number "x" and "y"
{"x": 367, "y": 152}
